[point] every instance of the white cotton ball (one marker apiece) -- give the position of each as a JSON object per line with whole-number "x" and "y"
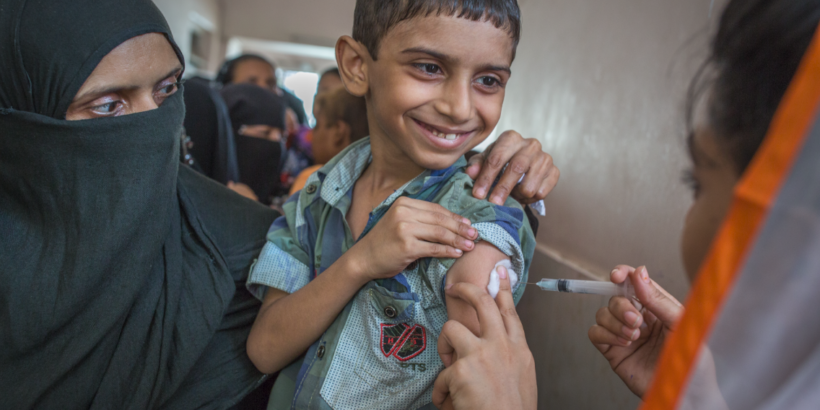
{"x": 495, "y": 282}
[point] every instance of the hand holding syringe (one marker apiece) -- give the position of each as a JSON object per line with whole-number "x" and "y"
{"x": 587, "y": 286}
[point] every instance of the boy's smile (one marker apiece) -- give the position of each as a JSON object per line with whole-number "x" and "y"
{"x": 436, "y": 89}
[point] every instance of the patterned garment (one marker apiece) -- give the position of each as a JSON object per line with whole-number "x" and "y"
{"x": 380, "y": 352}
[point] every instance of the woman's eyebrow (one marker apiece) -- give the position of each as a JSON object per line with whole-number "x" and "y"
{"x": 107, "y": 90}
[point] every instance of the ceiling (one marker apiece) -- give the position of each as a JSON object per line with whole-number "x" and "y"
{"x": 317, "y": 22}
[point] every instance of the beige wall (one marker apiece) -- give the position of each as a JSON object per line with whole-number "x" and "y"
{"x": 601, "y": 84}
{"x": 178, "y": 15}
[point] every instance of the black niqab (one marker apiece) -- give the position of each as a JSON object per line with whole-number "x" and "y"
{"x": 260, "y": 161}
{"x": 121, "y": 273}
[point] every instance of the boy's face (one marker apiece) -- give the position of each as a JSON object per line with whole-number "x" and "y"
{"x": 437, "y": 88}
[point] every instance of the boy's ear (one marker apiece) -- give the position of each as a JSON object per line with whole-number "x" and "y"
{"x": 352, "y": 58}
{"x": 341, "y": 139}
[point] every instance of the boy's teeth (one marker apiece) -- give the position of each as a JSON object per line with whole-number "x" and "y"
{"x": 451, "y": 137}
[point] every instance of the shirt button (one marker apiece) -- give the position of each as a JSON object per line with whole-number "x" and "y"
{"x": 311, "y": 189}
{"x": 390, "y": 312}
{"x": 320, "y": 352}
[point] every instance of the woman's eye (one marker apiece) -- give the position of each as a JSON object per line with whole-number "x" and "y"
{"x": 170, "y": 88}
{"x": 107, "y": 108}
{"x": 429, "y": 68}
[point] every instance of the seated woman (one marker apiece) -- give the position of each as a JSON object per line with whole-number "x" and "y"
{"x": 258, "y": 120}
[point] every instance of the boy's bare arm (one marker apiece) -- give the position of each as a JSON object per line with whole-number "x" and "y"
{"x": 474, "y": 268}
{"x": 288, "y": 324}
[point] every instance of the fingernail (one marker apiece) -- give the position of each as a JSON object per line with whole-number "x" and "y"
{"x": 480, "y": 192}
{"x": 467, "y": 221}
{"x": 631, "y": 334}
{"x": 632, "y": 318}
{"x": 613, "y": 271}
{"x": 459, "y": 252}
{"x": 469, "y": 244}
{"x": 502, "y": 272}
{"x": 472, "y": 232}
{"x": 624, "y": 341}
{"x": 644, "y": 275}
{"x": 448, "y": 287}
{"x": 497, "y": 200}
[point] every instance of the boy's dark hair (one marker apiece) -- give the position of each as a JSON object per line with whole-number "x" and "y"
{"x": 754, "y": 55}
{"x": 225, "y": 75}
{"x": 374, "y": 18}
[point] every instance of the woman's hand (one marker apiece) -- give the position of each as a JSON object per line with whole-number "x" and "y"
{"x": 631, "y": 334}
{"x": 524, "y": 157}
{"x": 493, "y": 371}
{"x": 411, "y": 230}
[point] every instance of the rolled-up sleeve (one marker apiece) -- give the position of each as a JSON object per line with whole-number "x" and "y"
{"x": 283, "y": 264}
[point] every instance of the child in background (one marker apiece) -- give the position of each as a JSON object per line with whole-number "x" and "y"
{"x": 341, "y": 119}
{"x": 353, "y": 276}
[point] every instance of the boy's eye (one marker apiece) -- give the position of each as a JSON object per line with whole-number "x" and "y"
{"x": 489, "y": 81}
{"x": 429, "y": 68}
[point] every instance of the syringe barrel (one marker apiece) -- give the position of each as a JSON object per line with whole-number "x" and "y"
{"x": 598, "y": 288}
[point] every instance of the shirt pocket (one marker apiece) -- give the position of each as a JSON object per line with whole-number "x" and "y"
{"x": 387, "y": 351}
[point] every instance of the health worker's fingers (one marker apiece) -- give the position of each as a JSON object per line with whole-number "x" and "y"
{"x": 667, "y": 309}
{"x": 441, "y": 388}
{"x": 626, "y": 312}
{"x": 489, "y": 317}
{"x": 620, "y": 274}
{"x": 475, "y": 162}
{"x": 506, "y": 305}
{"x": 439, "y": 234}
{"x": 605, "y": 319}
{"x": 603, "y": 339}
{"x": 456, "y": 339}
{"x": 446, "y": 221}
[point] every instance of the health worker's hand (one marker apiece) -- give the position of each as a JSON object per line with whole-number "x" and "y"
{"x": 493, "y": 371}
{"x": 524, "y": 157}
{"x": 630, "y": 334}
{"x": 411, "y": 230}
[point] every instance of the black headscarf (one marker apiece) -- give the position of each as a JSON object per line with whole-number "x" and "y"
{"x": 121, "y": 274}
{"x": 260, "y": 161}
{"x": 209, "y": 127}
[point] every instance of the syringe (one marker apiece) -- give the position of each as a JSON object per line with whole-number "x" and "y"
{"x": 588, "y": 286}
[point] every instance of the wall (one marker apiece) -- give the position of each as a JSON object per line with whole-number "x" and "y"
{"x": 178, "y": 15}
{"x": 602, "y": 84}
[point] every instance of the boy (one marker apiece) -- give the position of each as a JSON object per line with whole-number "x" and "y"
{"x": 341, "y": 119}
{"x": 366, "y": 313}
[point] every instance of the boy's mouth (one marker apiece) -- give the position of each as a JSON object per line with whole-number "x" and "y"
{"x": 449, "y": 137}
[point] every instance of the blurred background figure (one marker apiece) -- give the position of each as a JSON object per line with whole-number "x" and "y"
{"x": 255, "y": 69}
{"x": 341, "y": 119}
{"x": 258, "y": 119}
{"x": 208, "y": 126}
{"x": 329, "y": 81}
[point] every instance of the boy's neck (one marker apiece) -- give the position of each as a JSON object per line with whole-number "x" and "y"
{"x": 390, "y": 169}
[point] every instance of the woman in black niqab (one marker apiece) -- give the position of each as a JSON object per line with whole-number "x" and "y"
{"x": 121, "y": 273}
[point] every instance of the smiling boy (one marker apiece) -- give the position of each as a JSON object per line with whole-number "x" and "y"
{"x": 353, "y": 276}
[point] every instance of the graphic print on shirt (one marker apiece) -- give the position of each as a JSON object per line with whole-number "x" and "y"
{"x": 402, "y": 341}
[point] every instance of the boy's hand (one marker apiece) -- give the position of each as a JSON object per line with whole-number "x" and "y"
{"x": 630, "y": 334}
{"x": 411, "y": 230}
{"x": 524, "y": 157}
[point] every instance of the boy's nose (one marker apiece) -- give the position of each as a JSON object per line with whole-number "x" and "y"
{"x": 456, "y": 102}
